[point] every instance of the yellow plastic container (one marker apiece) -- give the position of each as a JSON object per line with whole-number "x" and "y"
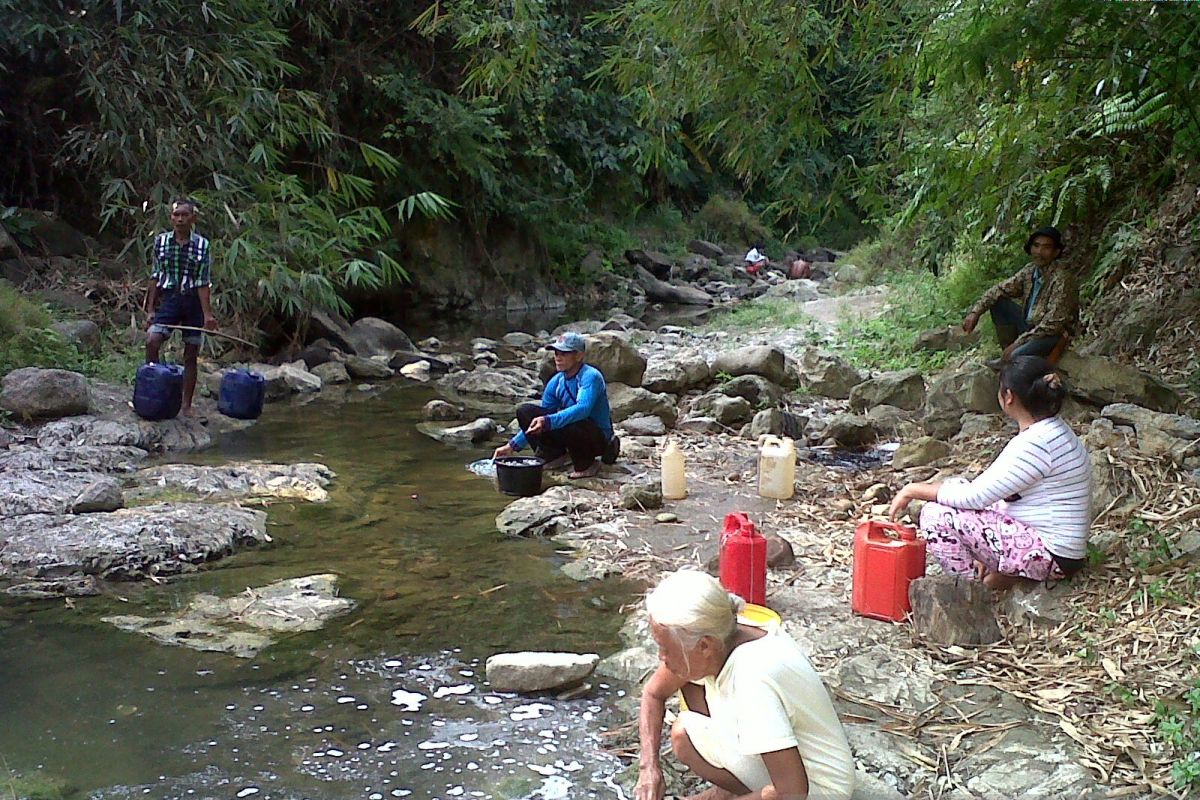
{"x": 776, "y": 467}
{"x": 674, "y": 479}
{"x": 757, "y": 615}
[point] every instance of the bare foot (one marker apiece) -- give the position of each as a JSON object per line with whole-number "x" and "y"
{"x": 711, "y": 793}
{"x": 980, "y": 568}
{"x": 1000, "y": 582}
{"x": 190, "y": 413}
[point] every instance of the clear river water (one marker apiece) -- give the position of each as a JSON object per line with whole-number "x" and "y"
{"x": 388, "y": 701}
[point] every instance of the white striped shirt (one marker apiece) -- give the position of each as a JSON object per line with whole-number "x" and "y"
{"x": 1047, "y": 468}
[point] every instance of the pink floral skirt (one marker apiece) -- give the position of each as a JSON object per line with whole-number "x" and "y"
{"x": 958, "y": 537}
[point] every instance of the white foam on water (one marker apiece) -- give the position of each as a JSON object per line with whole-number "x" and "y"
{"x": 386, "y": 747}
{"x": 364, "y": 745}
{"x": 307, "y": 709}
{"x": 248, "y": 791}
{"x": 346, "y": 699}
{"x": 469, "y": 737}
{"x": 530, "y": 711}
{"x": 546, "y": 734}
{"x": 574, "y": 766}
{"x": 555, "y": 788}
{"x": 393, "y": 663}
{"x": 333, "y": 751}
{"x": 433, "y": 745}
{"x": 447, "y": 691}
{"x": 492, "y": 700}
{"x": 455, "y": 791}
{"x": 408, "y": 701}
{"x": 401, "y": 792}
{"x": 375, "y": 796}
{"x": 544, "y": 770}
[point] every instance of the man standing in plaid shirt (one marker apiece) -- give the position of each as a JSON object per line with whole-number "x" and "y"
{"x": 180, "y": 292}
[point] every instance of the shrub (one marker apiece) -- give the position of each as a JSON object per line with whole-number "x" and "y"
{"x": 724, "y": 219}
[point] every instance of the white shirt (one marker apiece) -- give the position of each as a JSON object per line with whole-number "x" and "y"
{"x": 771, "y": 697}
{"x": 753, "y": 257}
{"x": 1047, "y": 468}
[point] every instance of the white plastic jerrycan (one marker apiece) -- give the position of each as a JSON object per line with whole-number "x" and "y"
{"x": 776, "y": 467}
{"x": 674, "y": 480}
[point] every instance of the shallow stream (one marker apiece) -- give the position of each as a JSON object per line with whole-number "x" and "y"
{"x": 387, "y": 701}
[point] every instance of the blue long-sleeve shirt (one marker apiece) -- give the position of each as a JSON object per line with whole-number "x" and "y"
{"x": 569, "y": 400}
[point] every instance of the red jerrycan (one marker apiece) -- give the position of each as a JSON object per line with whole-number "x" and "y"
{"x": 884, "y": 566}
{"x": 744, "y": 559}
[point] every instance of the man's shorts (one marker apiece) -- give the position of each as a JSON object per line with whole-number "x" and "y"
{"x": 179, "y": 308}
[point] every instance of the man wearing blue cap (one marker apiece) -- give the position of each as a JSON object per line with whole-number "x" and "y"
{"x": 573, "y": 424}
{"x": 1049, "y": 298}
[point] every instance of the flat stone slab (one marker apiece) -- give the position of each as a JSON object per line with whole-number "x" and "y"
{"x": 244, "y": 624}
{"x": 536, "y": 672}
{"x": 42, "y": 491}
{"x": 304, "y": 481}
{"x": 131, "y": 543}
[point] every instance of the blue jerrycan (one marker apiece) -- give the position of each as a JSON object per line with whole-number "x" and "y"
{"x": 242, "y": 394}
{"x": 158, "y": 391}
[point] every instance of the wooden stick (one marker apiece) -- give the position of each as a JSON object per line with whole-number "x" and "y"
{"x": 212, "y": 333}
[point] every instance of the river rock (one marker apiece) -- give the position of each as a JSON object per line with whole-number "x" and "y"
{"x": 628, "y": 401}
{"x": 480, "y": 430}
{"x": 518, "y": 339}
{"x": 850, "y": 430}
{"x": 663, "y": 292}
{"x": 417, "y": 371}
{"x": 755, "y": 389}
{"x": 285, "y": 380}
{"x": 160, "y": 539}
{"x": 700, "y": 425}
{"x": 370, "y": 336}
{"x": 172, "y": 435}
{"x": 544, "y": 515}
{"x": 727, "y": 411}
{"x": 440, "y": 411}
{"x": 45, "y": 491}
{"x": 318, "y": 353}
{"x": 825, "y": 374}
{"x": 512, "y": 384}
{"x": 777, "y": 422}
{"x": 1102, "y": 381}
{"x": 971, "y": 388}
{"x": 919, "y": 452}
{"x": 801, "y": 291}
{"x": 947, "y": 611}
{"x": 331, "y": 373}
{"x": 676, "y": 375}
{"x": 83, "y": 333}
{"x": 950, "y": 339}
{"x": 217, "y": 624}
{"x": 8, "y": 246}
{"x": 617, "y": 360}
{"x": 706, "y": 249}
{"x": 332, "y": 327}
{"x": 975, "y": 425}
{"x": 753, "y": 360}
{"x": 100, "y": 495}
{"x": 903, "y": 388}
{"x": 657, "y": 264}
{"x": 644, "y": 426}
{"x": 537, "y": 672}
{"x": 1158, "y": 434}
{"x": 33, "y": 393}
{"x": 81, "y": 458}
{"x": 642, "y": 496}
{"x": 302, "y": 481}
{"x": 367, "y": 369}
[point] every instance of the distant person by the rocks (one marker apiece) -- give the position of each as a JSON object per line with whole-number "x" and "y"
{"x": 1049, "y": 301}
{"x": 756, "y": 259}
{"x": 180, "y": 293}
{"x": 759, "y": 722}
{"x": 573, "y": 424}
{"x": 1029, "y": 513}
{"x": 799, "y": 268}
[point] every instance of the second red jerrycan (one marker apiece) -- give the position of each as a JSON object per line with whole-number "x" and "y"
{"x": 744, "y": 559}
{"x": 884, "y": 566}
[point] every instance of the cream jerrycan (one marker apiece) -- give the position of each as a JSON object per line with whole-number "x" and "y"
{"x": 776, "y": 467}
{"x": 674, "y": 481}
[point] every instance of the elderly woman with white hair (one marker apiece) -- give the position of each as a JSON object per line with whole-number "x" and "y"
{"x": 759, "y": 722}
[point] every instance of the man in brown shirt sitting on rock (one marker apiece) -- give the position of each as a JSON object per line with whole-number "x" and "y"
{"x": 1044, "y": 321}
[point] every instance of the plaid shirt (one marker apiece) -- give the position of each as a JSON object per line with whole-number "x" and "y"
{"x": 1055, "y": 308}
{"x": 181, "y": 267}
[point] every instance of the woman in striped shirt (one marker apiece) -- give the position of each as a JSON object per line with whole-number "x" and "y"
{"x": 1028, "y": 514}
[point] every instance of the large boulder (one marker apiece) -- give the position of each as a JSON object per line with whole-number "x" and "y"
{"x": 663, "y": 292}
{"x": 903, "y": 389}
{"x": 331, "y": 372}
{"x": 616, "y": 358}
{"x": 8, "y": 246}
{"x": 546, "y": 514}
{"x": 98, "y": 496}
{"x": 801, "y": 291}
{"x": 919, "y": 452}
{"x": 972, "y": 388}
{"x": 755, "y": 389}
{"x": 657, "y": 264}
{"x": 537, "y": 672}
{"x": 285, "y": 380}
{"x": 825, "y": 374}
{"x": 306, "y": 481}
{"x": 777, "y": 422}
{"x": 1158, "y": 434}
{"x": 753, "y": 360}
{"x": 504, "y": 383}
{"x": 676, "y": 375}
{"x": 1103, "y": 381}
{"x": 33, "y": 393}
{"x": 370, "y": 336}
{"x": 726, "y": 410}
{"x": 850, "y": 430}
{"x": 332, "y": 327}
{"x": 706, "y": 249}
{"x": 367, "y": 369}
{"x": 160, "y": 539}
{"x": 56, "y": 237}
{"x": 627, "y": 401}
{"x": 950, "y": 339}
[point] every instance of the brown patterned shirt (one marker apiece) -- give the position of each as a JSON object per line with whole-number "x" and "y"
{"x": 1055, "y": 309}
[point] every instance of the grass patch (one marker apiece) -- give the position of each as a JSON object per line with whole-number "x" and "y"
{"x": 775, "y": 312}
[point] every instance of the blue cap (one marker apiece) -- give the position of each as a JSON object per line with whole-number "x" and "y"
{"x": 568, "y": 343}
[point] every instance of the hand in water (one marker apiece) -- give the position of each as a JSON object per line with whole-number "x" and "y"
{"x": 502, "y": 451}
{"x": 650, "y": 785}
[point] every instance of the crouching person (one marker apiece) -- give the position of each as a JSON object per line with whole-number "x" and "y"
{"x": 573, "y": 424}
{"x": 759, "y": 722}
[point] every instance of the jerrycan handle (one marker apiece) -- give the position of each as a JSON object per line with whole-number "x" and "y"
{"x": 769, "y": 439}
{"x": 737, "y": 523}
{"x": 877, "y": 530}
